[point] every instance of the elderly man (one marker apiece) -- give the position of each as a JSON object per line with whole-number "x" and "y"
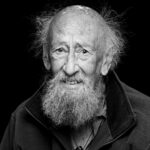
{"x": 82, "y": 105}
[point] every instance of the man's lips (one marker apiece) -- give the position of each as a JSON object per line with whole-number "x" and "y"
{"x": 72, "y": 81}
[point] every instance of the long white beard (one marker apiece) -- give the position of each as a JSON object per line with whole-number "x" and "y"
{"x": 72, "y": 107}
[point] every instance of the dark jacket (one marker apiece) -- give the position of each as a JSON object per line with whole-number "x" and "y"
{"x": 127, "y": 126}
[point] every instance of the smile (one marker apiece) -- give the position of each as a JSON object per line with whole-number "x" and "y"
{"x": 71, "y": 83}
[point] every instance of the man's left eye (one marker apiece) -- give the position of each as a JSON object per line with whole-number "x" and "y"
{"x": 84, "y": 54}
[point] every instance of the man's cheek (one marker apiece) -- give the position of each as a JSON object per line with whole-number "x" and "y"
{"x": 89, "y": 67}
{"x": 57, "y": 65}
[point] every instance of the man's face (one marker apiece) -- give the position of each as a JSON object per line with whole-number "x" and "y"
{"x": 75, "y": 50}
{"x": 75, "y": 94}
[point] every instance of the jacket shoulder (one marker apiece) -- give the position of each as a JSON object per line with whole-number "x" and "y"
{"x": 20, "y": 109}
{"x": 140, "y": 104}
{"x": 138, "y": 100}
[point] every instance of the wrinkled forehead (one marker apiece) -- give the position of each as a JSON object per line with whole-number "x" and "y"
{"x": 79, "y": 19}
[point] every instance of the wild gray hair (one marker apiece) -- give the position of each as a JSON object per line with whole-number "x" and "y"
{"x": 110, "y": 17}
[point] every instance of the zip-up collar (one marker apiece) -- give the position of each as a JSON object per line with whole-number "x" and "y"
{"x": 120, "y": 116}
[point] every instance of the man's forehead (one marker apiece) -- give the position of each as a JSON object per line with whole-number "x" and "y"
{"x": 79, "y": 10}
{"x": 79, "y": 18}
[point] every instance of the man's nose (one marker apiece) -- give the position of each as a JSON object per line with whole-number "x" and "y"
{"x": 70, "y": 67}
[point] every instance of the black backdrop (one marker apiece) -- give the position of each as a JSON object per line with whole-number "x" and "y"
{"x": 22, "y": 73}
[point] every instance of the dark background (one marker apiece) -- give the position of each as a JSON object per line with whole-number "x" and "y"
{"x": 22, "y": 72}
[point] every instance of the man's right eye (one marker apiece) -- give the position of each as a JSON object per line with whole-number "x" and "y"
{"x": 59, "y": 52}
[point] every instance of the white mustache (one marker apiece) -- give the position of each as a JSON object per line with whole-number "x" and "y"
{"x": 60, "y": 77}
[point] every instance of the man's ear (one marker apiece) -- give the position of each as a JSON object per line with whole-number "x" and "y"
{"x": 46, "y": 59}
{"x": 106, "y": 64}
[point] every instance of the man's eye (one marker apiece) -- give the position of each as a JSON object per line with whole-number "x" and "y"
{"x": 84, "y": 54}
{"x": 84, "y": 51}
{"x": 59, "y": 50}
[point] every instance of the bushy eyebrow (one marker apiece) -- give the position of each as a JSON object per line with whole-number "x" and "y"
{"x": 84, "y": 45}
{"x": 60, "y": 43}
